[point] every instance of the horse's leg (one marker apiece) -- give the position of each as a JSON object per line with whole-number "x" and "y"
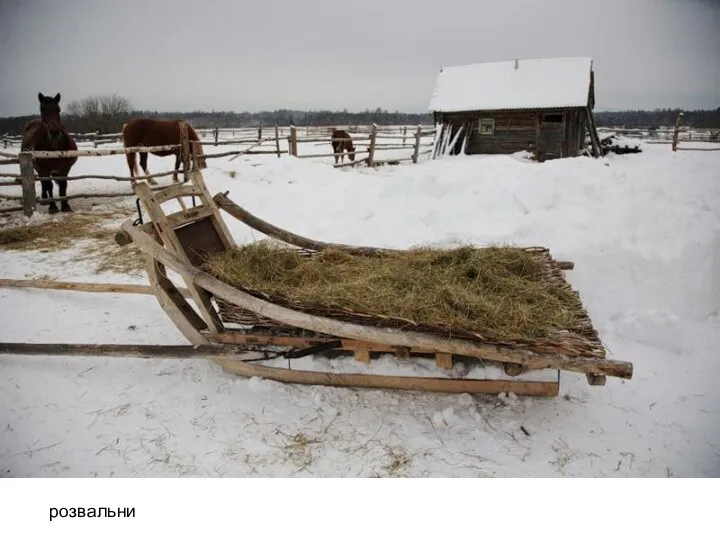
{"x": 177, "y": 166}
{"x": 62, "y": 188}
{"x": 47, "y": 193}
{"x": 143, "y": 164}
{"x": 130, "y": 156}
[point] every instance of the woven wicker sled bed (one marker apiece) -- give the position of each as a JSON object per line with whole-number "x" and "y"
{"x": 226, "y": 314}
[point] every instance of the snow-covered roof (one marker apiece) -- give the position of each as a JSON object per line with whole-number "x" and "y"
{"x": 535, "y": 84}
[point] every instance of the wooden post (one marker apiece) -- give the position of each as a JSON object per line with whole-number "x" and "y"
{"x": 277, "y": 140}
{"x": 293, "y": 141}
{"x": 216, "y": 133}
{"x": 371, "y": 148}
{"x": 416, "y": 151}
{"x": 404, "y": 134}
{"x": 28, "y": 183}
{"x": 184, "y": 149}
{"x": 184, "y": 157}
{"x": 676, "y": 133}
{"x": 259, "y": 133}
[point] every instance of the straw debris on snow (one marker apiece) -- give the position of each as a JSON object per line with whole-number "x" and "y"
{"x": 93, "y": 231}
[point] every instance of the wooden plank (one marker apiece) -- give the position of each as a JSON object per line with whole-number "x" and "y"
{"x": 362, "y": 356}
{"x": 175, "y": 191}
{"x": 109, "y": 177}
{"x": 78, "y": 286}
{"x": 123, "y": 350}
{"x": 594, "y": 138}
{"x": 349, "y": 345}
{"x": 27, "y": 174}
{"x": 387, "y": 336}
{"x": 307, "y": 156}
{"x": 101, "y": 152}
{"x": 186, "y": 216}
{"x": 444, "y": 360}
{"x": 389, "y": 382}
{"x": 172, "y": 302}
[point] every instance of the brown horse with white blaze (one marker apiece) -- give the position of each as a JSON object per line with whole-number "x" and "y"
{"x": 341, "y": 141}
{"x": 152, "y": 132}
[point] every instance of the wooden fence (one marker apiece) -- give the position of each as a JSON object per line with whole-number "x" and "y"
{"x": 372, "y": 145}
{"x": 673, "y": 136}
{"x": 27, "y": 178}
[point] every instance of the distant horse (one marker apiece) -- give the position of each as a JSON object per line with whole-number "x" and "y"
{"x": 152, "y": 132}
{"x": 339, "y": 145}
{"x": 48, "y": 133}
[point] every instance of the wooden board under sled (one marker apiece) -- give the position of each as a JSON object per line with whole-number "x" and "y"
{"x": 236, "y": 361}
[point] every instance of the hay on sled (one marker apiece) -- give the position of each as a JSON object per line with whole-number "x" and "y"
{"x": 493, "y": 293}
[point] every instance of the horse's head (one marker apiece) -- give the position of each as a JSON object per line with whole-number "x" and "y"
{"x": 351, "y": 151}
{"x": 55, "y": 132}
{"x": 49, "y": 107}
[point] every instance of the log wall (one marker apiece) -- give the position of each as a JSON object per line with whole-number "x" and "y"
{"x": 553, "y": 133}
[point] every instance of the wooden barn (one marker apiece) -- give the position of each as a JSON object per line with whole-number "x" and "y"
{"x": 543, "y": 106}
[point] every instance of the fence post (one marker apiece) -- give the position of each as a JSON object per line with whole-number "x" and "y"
{"x": 216, "y": 132}
{"x": 28, "y": 183}
{"x": 404, "y": 134}
{"x": 293, "y": 141}
{"x": 676, "y": 132}
{"x": 184, "y": 149}
{"x": 371, "y": 148}
{"x": 416, "y": 152}
{"x": 259, "y": 133}
{"x": 277, "y": 140}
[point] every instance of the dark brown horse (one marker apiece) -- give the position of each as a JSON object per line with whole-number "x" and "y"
{"x": 152, "y": 132}
{"x": 48, "y": 133}
{"x": 341, "y": 141}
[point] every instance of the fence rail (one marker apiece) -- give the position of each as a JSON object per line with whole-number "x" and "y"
{"x": 27, "y": 178}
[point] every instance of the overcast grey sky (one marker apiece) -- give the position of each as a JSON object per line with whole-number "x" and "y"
{"x": 309, "y": 54}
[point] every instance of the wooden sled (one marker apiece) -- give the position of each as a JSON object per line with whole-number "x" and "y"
{"x": 224, "y": 315}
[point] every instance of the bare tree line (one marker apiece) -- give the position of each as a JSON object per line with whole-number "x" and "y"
{"x": 107, "y": 113}
{"x": 104, "y": 114}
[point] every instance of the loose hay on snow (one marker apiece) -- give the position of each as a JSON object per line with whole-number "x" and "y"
{"x": 92, "y": 231}
{"x": 500, "y": 293}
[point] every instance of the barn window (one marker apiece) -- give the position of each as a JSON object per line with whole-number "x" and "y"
{"x": 486, "y": 126}
{"x": 552, "y": 118}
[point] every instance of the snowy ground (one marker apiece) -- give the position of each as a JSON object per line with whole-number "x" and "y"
{"x": 643, "y": 230}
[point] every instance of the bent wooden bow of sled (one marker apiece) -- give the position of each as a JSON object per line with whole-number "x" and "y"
{"x": 223, "y": 314}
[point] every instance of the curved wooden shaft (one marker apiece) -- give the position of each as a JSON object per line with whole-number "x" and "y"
{"x": 239, "y": 213}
